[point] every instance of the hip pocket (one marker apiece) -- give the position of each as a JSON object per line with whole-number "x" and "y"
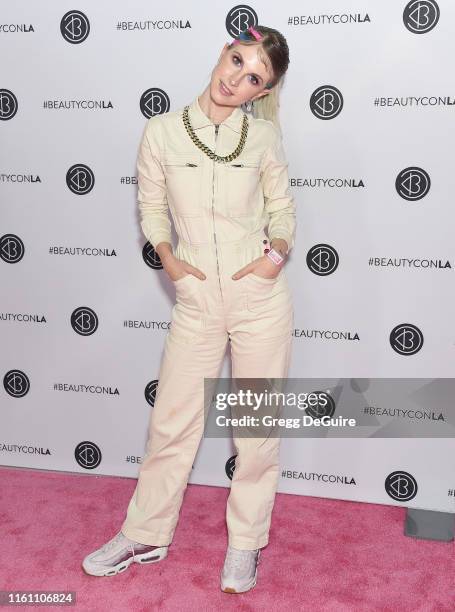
{"x": 188, "y": 314}
{"x": 266, "y": 293}
{"x": 187, "y": 291}
{"x": 262, "y": 279}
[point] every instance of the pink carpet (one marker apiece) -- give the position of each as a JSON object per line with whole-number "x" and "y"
{"x": 323, "y": 555}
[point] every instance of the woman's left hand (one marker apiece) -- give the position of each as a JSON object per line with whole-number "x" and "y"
{"x": 264, "y": 265}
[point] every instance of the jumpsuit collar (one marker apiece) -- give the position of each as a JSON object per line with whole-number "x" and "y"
{"x": 199, "y": 119}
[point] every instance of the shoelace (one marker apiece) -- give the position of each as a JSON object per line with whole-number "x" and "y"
{"x": 237, "y": 558}
{"x": 112, "y": 542}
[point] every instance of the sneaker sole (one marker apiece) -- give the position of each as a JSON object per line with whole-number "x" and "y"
{"x": 151, "y": 557}
{"x": 245, "y": 589}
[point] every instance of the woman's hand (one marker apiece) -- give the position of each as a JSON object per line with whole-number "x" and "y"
{"x": 279, "y": 245}
{"x": 177, "y": 268}
{"x": 262, "y": 266}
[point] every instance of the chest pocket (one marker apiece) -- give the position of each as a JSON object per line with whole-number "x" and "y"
{"x": 242, "y": 183}
{"x": 183, "y": 173}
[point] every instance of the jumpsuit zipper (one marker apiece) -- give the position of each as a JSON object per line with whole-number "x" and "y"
{"x": 213, "y": 215}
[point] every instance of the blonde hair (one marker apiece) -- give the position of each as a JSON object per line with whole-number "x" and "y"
{"x": 268, "y": 106}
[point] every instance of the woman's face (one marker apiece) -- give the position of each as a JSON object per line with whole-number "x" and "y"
{"x": 241, "y": 74}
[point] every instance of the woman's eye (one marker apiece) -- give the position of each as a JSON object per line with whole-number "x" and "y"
{"x": 236, "y": 58}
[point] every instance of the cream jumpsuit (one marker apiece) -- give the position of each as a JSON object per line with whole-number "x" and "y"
{"x": 219, "y": 212}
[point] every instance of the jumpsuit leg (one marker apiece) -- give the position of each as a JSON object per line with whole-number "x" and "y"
{"x": 261, "y": 342}
{"x": 194, "y": 348}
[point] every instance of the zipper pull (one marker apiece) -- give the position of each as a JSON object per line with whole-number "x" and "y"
{"x": 191, "y": 165}
{"x": 237, "y": 165}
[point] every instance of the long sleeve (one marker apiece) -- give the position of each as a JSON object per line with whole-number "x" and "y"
{"x": 279, "y": 202}
{"x": 152, "y": 196}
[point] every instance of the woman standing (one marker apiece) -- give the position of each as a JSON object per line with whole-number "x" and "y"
{"x": 222, "y": 174}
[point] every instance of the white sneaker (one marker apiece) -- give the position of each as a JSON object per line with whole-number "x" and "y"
{"x": 118, "y": 554}
{"x": 239, "y": 572}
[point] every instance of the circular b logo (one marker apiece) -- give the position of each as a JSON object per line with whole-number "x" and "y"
{"x": 406, "y": 339}
{"x": 230, "y": 466}
{"x": 326, "y": 102}
{"x": 421, "y": 16}
{"x": 80, "y": 179}
{"x": 87, "y": 455}
{"x": 412, "y": 183}
{"x": 11, "y": 248}
{"x": 150, "y": 392}
{"x": 322, "y": 259}
{"x": 84, "y": 321}
{"x": 154, "y": 101}
{"x": 401, "y": 486}
{"x": 324, "y": 407}
{"x": 16, "y": 383}
{"x": 74, "y": 27}
{"x": 8, "y": 104}
{"x": 151, "y": 257}
{"x": 240, "y": 18}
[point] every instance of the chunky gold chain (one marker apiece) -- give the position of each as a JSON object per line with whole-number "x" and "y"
{"x": 218, "y": 158}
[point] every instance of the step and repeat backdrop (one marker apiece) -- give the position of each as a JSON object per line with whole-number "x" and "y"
{"x": 85, "y": 304}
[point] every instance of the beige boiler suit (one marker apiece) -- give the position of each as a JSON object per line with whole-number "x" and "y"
{"x": 220, "y": 212}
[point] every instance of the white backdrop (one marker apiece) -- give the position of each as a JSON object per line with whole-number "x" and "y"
{"x": 368, "y": 133}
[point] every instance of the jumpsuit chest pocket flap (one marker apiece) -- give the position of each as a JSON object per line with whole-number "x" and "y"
{"x": 183, "y": 172}
{"x": 242, "y": 185}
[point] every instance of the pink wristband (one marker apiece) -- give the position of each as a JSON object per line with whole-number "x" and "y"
{"x": 275, "y": 257}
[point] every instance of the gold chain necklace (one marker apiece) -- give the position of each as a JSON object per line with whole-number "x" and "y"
{"x": 218, "y": 158}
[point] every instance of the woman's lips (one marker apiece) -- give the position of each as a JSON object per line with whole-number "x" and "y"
{"x": 224, "y": 90}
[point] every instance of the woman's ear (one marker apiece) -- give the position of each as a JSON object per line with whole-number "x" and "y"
{"x": 260, "y": 95}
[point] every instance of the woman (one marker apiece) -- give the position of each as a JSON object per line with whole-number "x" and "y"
{"x": 222, "y": 174}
